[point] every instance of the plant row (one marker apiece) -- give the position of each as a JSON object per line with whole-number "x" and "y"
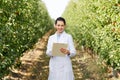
{"x": 22, "y": 22}
{"x": 95, "y": 24}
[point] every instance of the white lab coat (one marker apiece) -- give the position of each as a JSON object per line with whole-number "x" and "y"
{"x": 60, "y": 68}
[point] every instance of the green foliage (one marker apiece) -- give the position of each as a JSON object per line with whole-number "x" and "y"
{"x": 22, "y": 22}
{"x": 96, "y": 25}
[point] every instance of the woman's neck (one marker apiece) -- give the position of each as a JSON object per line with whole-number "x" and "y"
{"x": 59, "y": 32}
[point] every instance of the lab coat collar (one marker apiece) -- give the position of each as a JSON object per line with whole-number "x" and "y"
{"x": 62, "y": 37}
{"x": 60, "y": 33}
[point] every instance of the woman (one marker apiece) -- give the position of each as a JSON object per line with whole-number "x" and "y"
{"x": 60, "y": 68}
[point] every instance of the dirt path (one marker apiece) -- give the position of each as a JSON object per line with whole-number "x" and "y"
{"x": 35, "y": 65}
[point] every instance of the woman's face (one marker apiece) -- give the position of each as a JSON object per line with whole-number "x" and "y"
{"x": 60, "y": 26}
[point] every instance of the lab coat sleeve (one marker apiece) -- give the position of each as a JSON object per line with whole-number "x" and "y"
{"x": 71, "y": 46}
{"x": 49, "y": 47}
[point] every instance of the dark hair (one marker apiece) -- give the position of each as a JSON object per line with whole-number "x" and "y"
{"x": 60, "y": 19}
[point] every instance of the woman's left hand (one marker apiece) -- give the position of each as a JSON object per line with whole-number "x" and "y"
{"x": 65, "y": 51}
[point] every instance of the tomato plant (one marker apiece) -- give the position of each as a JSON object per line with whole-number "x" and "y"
{"x": 96, "y": 24}
{"x": 22, "y": 22}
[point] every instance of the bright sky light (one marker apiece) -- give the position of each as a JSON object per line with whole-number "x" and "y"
{"x": 55, "y": 7}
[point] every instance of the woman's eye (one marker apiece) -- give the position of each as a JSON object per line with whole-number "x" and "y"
{"x": 60, "y": 25}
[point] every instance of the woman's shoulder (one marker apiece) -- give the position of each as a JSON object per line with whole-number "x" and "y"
{"x": 68, "y": 34}
{"x": 51, "y": 36}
